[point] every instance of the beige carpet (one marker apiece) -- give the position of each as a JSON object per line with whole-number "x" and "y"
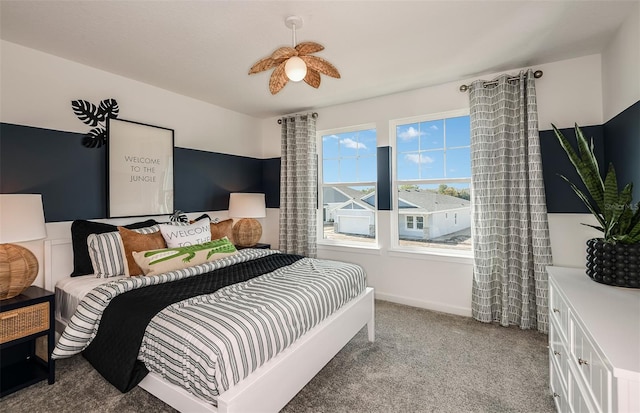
{"x": 422, "y": 361}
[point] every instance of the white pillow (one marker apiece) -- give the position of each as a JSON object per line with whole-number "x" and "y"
{"x": 181, "y": 236}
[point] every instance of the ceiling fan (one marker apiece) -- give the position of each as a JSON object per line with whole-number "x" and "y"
{"x": 295, "y": 63}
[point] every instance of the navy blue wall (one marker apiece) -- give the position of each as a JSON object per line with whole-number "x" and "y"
{"x": 72, "y": 178}
{"x": 560, "y": 196}
{"x": 622, "y": 147}
{"x": 384, "y": 184}
{"x": 617, "y": 142}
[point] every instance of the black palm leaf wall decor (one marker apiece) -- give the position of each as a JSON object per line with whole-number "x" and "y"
{"x": 95, "y": 116}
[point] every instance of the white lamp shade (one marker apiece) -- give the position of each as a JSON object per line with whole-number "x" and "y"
{"x": 21, "y": 218}
{"x": 245, "y": 205}
{"x": 295, "y": 68}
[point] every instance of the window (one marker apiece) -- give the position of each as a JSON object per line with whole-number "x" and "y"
{"x": 419, "y": 222}
{"x": 432, "y": 182}
{"x": 409, "y": 222}
{"x": 347, "y": 177}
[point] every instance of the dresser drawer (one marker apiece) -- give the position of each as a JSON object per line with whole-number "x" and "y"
{"x": 558, "y": 389}
{"x": 591, "y": 368}
{"x": 579, "y": 398}
{"x": 559, "y": 311}
{"x": 22, "y": 322}
{"x": 558, "y": 350}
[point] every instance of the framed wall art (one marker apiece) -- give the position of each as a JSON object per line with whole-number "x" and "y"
{"x": 140, "y": 169}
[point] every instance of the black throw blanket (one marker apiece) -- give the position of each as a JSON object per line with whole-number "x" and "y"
{"x": 114, "y": 350}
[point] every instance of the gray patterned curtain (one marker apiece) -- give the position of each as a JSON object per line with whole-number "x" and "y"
{"x": 510, "y": 231}
{"x": 298, "y": 185}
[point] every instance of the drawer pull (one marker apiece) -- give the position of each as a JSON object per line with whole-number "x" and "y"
{"x": 582, "y": 362}
{"x": 555, "y": 310}
{"x": 8, "y": 316}
{"x": 556, "y": 352}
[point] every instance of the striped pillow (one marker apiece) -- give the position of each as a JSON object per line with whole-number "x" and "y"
{"x": 106, "y": 252}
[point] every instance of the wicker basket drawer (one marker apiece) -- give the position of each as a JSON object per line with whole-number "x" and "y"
{"x": 24, "y": 321}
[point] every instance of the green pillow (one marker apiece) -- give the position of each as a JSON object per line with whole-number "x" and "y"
{"x": 154, "y": 262}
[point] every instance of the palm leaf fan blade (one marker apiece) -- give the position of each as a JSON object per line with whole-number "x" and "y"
{"x": 284, "y": 53}
{"x": 320, "y": 65}
{"x": 278, "y": 79}
{"x": 305, "y": 48}
{"x": 263, "y": 64}
{"x": 312, "y": 78}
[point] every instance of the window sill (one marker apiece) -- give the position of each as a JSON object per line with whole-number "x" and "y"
{"x": 461, "y": 257}
{"x": 355, "y": 248}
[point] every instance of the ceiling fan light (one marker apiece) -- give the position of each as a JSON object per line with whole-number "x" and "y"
{"x": 295, "y": 68}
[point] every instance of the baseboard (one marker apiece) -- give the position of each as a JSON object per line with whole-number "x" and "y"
{"x": 427, "y": 305}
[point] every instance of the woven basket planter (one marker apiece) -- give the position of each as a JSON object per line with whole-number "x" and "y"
{"x": 613, "y": 264}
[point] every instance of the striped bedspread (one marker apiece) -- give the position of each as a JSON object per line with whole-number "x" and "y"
{"x": 207, "y": 344}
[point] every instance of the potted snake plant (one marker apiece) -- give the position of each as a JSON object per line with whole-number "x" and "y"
{"x": 614, "y": 258}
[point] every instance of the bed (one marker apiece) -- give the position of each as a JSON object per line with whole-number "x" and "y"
{"x": 267, "y": 388}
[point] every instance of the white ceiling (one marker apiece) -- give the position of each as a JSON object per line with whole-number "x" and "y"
{"x": 204, "y": 49}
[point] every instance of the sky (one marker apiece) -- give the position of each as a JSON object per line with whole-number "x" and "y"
{"x": 437, "y": 149}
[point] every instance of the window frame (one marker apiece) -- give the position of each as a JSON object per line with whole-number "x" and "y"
{"x": 395, "y": 213}
{"x": 320, "y": 182}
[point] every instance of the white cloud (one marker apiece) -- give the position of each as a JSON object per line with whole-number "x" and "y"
{"x": 410, "y": 133}
{"x": 324, "y": 138}
{"x": 418, "y": 158}
{"x": 350, "y": 143}
{"x": 434, "y": 127}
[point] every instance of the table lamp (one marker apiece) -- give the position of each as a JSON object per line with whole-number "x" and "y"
{"x": 21, "y": 219}
{"x": 247, "y": 231}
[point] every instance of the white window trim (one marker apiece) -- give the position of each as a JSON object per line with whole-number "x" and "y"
{"x": 320, "y": 240}
{"x": 395, "y": 248}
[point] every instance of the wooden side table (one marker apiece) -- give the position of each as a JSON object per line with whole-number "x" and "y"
{"x": 27, "y": 334}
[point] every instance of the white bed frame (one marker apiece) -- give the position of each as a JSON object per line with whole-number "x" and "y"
{"x": 272, "y": 386}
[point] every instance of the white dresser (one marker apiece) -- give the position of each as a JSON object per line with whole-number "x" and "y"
{"x": 594, "y": 344}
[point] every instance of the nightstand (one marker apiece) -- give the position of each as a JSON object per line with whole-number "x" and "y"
{"x": 27, "y": 334}
{"x": 258, "y": 245}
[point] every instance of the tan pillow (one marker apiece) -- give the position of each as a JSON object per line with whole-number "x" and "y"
{"x": 170, "y": 259}
{"x": 222, "y": 229}
{"x": 133, "y": 241}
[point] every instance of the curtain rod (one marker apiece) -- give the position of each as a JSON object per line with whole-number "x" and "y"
{"x": 314, "y": 115}
{"x": 537, "y": 74}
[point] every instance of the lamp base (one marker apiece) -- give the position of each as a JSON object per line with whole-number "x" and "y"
{"x": 18, "y": 270}
{"x": 247, "y": 232}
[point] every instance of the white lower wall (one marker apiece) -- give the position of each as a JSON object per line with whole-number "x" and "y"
{"x": 444, "y": 284}
{"x": 431, "y": 282}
